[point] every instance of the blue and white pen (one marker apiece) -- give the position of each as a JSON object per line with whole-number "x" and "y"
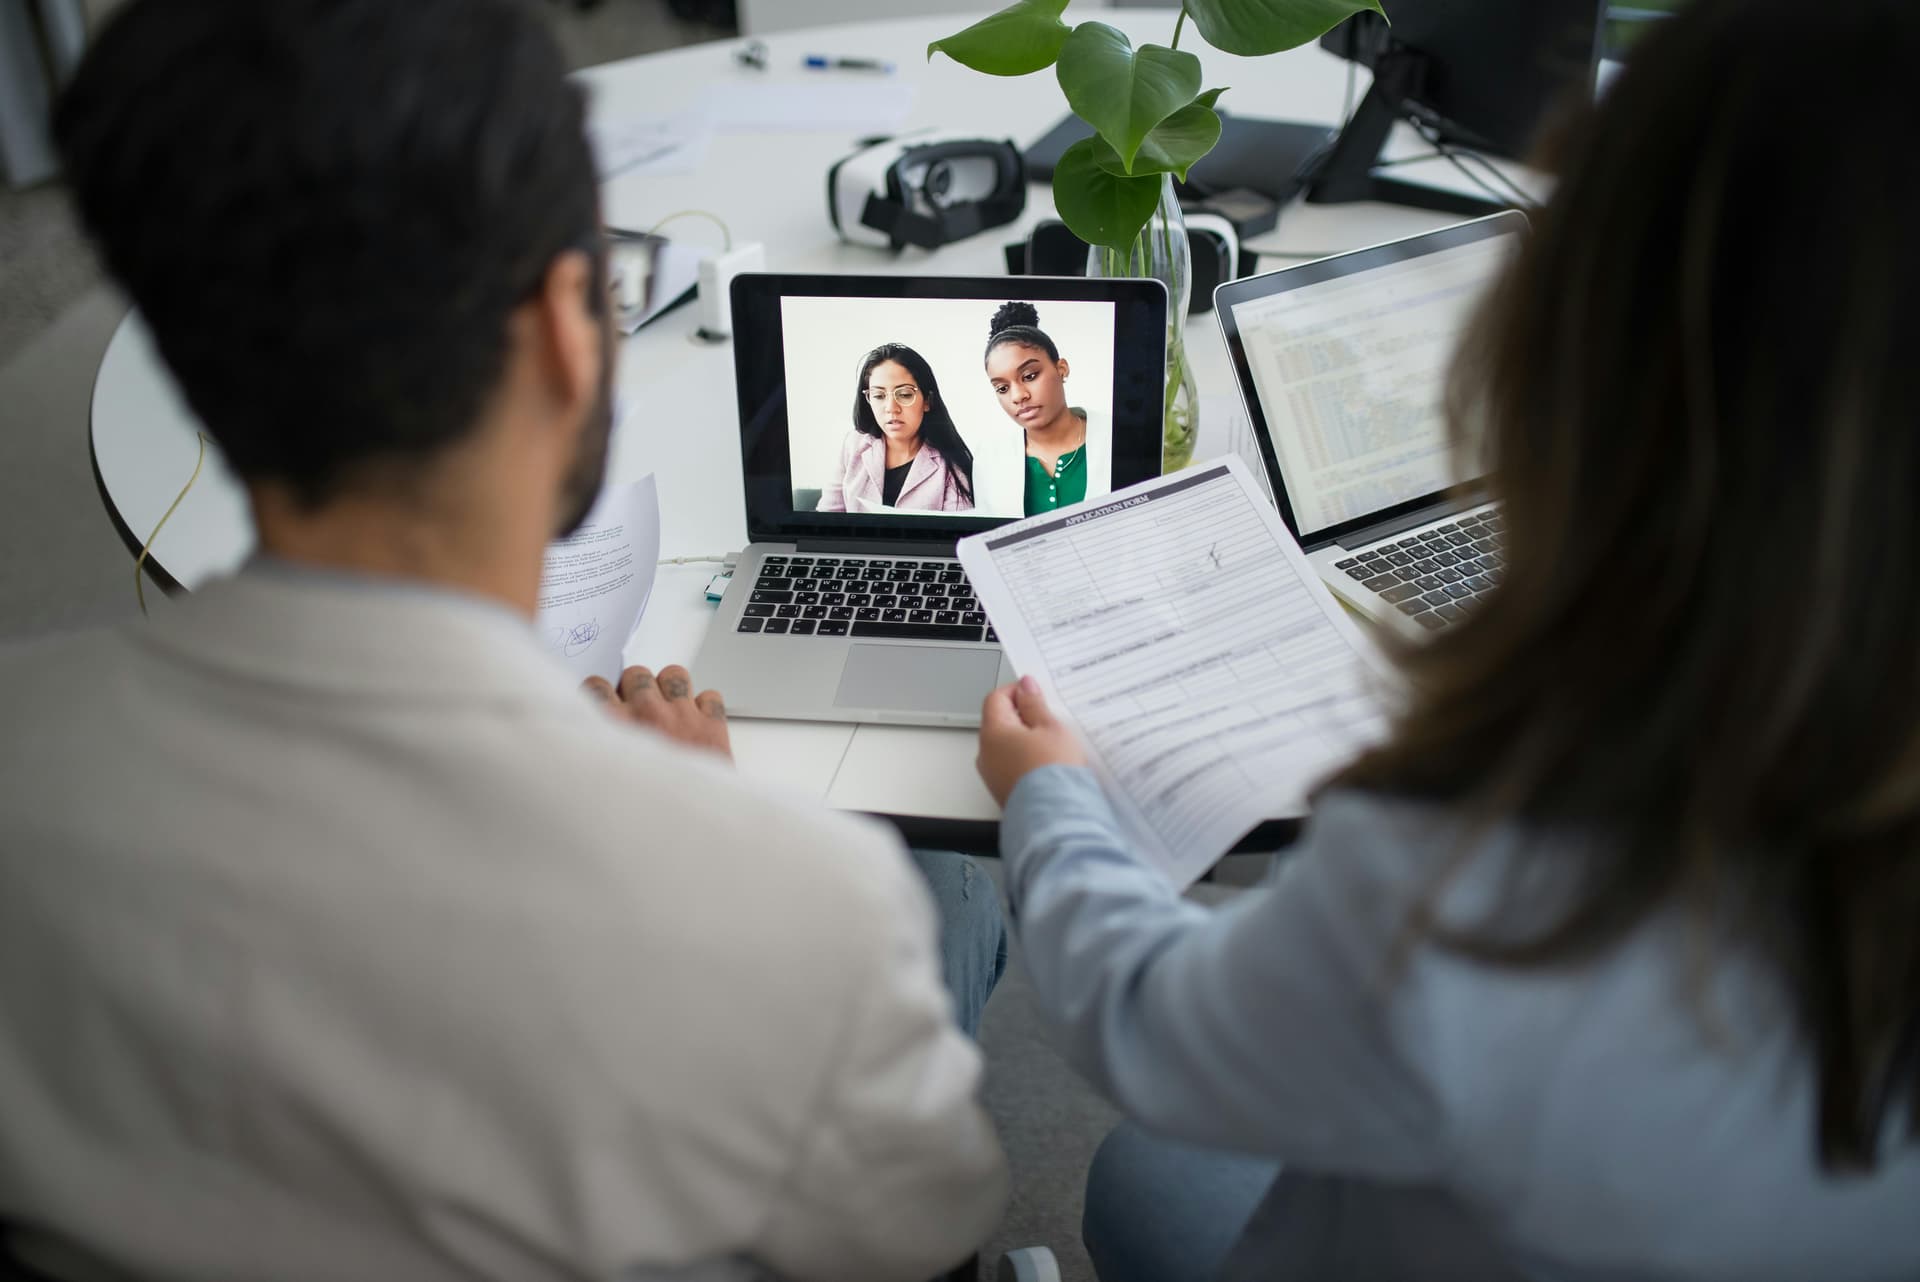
{"x": 824, "y": 62}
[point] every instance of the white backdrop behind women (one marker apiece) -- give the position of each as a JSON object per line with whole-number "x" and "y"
{"x": 828, "y": 338}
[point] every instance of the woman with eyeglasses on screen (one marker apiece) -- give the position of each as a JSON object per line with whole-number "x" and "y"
{"x": 904, "y": 451}
{"x": 1605, "y": 964}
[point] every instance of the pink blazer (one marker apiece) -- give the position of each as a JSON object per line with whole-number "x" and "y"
{"x": 863, "y": 464}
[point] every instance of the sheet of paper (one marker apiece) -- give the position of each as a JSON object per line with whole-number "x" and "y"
{"x": 1178, "y": 628}
{"x": 852, "y": 108}
{"x": 649, "y": 146}
{"x": 596, "y": 581}
{"x": 1224, "y": 430}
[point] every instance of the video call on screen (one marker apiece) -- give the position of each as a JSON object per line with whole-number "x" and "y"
{"x": 954, "y": 430}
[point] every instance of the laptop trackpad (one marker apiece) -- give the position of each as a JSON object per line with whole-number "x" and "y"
{"x": 916, "y": 678}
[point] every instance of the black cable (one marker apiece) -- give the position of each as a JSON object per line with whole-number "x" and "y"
{"x": 1502, "y": 191}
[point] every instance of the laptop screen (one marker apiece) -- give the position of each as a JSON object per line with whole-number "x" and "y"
{"x": 1347, "y": 361}
{"x": 874, "y": 407}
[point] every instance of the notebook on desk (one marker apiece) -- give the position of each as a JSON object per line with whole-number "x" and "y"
{"x": 1342, "y": 365}
{"x": 849, "y": 603}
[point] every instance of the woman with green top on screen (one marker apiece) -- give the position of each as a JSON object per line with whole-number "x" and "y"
{"x": 1030, "y": 378}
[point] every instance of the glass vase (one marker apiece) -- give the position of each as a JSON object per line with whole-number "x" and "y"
{"x": 1161, "y": 251}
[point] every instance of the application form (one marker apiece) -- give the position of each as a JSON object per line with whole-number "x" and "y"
{"x": 1177, "y": 627}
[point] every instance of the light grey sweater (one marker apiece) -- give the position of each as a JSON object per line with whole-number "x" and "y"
{"x": 1646, "y": 1116}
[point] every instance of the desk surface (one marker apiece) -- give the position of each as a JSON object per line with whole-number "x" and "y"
{"x": 678, "y": 393}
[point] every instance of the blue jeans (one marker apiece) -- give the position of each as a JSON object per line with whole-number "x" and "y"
{"x": 973, "y": 939}
{"x": 1164, "y": 1212}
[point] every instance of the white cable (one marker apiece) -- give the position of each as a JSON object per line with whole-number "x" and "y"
{"x": 698, "y": 560}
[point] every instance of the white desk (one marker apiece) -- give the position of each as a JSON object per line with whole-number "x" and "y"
{"x": 682, "y": 423}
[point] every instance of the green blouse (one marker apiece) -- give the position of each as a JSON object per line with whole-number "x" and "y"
{"x": 1066, "y": 485}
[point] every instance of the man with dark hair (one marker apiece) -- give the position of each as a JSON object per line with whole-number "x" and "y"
{"x": 340, "y": 935}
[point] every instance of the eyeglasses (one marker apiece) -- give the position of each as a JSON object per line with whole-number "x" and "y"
{"x": 903, "y": 395}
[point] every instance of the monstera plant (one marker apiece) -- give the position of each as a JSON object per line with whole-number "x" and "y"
{"x": 1152, "y": 117}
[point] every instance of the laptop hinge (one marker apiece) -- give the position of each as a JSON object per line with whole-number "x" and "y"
{"x": 1412, "y": 520}
{"x": 880, "y": 547}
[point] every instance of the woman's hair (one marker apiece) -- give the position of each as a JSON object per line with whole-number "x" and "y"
{"x": 936, "y": 426}
{"x": 1694, "y": 393}
{"x": 1019, "y": 323}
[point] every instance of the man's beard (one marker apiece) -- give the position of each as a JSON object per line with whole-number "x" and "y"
{"x": 589, "y": 467}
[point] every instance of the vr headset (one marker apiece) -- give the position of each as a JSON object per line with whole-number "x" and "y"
{"x": 926, "y": 191}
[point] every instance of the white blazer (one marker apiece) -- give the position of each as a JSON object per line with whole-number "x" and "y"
{"x": 342, "y": 938}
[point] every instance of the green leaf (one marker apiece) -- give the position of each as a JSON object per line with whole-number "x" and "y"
{"x": 1174, "y": 144}
{"x": 1255, "y": 27}
{"x": 1121, "y": 92}
{"x": 1098, "y": 207}
{"x": 1023, "y": 37}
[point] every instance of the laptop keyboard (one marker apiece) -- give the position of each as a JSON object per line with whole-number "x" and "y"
{"x": 1434, "y": 576}
{"x": 832, "y": 596}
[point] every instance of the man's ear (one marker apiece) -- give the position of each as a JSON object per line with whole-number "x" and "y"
{"x": 569, "y": 328}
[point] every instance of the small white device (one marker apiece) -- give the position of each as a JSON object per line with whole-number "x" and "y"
{"x": 716, "y": 282}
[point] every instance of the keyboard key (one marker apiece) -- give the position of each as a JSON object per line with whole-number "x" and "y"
{"x": 991, "y": 634}
{"x": 1449, "y": 612}
{"x": 1447, "y": 574}
{"x": 874, "y": 574}
{"x": 1371, "y": 554}
{"x": 1478, "y": 585}
{"x": 926, "y": 576}
{"x": 919, "y": 616}
{"x": 778, "y": 625}
{"x": 799, "y": 560}
{"x": 1413, "y": 606}
{"x": 1347, "y": 564}
{"x": 833, "y": 628}
{"x": 933, "y": 589}
{"x": 1399, "y": 558}
{"x": 806, "y": 598}
{"x": 866, "y": 614}
{"x": 853, "y": 561}
{"x": 1400, "y": 592}
{"x": 886, "y": 602}
{"x": 840, "y": 612}
{"x": 1485, "y": 564}
{"x": 1458, "y": 589}
{"x": 786, "y": 611}
{"x": 813, "y": 612}
{"x": 893, "y": 616}
{"x": 1429, "y": 582}
{"x": 907, "y": 589}
{"x": 1458, "y": 539}
{"x": 769, "y": 583}
{"x": 1429, "y": 536}
{"x": 770, "y": 598}
{"x": 1447, "y": 558}
{"x": 757, "y": 612}
{"x": 974, "y": 618}
{"x": 899, "y": 575}
{"x": 918, "y": 631}
{"x": 1425, "y": 565}
{"x": 1430, "y": 620}
{"x": 964, "y": 602}
{"x": 803, "y": 627}
{"x": 752, "y": 625}
{"x": 952, "y": 576}
{"x": 1379, "y": 582}
{"x": 1436, "y": 597}
{"x": 833, "y": 598}
{"x": 946, "y": 616}
{"x": 773, "y": 560}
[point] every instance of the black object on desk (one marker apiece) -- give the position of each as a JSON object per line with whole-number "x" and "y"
{"x": 1271, "y": 157}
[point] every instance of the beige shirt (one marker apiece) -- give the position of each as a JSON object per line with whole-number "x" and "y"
{"x": 342, "y": 938}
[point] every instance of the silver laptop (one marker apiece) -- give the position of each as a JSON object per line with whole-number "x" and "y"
{"x": 863, "y": 464}
{"x": 1342, "y": 365}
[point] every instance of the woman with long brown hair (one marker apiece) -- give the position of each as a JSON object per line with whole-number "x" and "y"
{"x": 1606, "y": 964}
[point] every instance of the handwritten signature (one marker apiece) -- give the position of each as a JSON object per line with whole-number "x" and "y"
{"x": 578, "y": 639}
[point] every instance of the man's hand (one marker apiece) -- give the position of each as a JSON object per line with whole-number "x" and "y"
{"x": 1018, "y": 733}
{"x": 667, "y": 703}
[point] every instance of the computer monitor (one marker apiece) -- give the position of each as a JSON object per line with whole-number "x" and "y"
{"x": 1475, "y": 74}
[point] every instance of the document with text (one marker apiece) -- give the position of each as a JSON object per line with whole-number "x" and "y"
{"x": 594, "y": 583}
{"x": 1177, "y": 627}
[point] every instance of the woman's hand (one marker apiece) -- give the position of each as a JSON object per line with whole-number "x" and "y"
{"x": 1018, "y": 733}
